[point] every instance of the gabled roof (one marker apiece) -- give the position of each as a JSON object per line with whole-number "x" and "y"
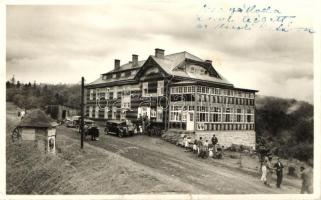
{"x": 36, "y": 119}
{"x": 169, "y": 64}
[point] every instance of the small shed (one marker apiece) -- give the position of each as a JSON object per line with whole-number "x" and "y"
{"x": 37, "y": 126}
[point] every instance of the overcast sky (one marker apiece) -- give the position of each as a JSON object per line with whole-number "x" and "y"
{"x": 59, "y": 44}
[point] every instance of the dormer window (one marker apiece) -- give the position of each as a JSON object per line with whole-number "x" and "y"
{"x": 109, "y": 76}
{"x": 192, "y": 70}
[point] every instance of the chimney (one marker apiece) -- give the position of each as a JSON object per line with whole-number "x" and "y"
{"x": 159, "y": 53}
{"x": 117, "y": 64}
{"x": 134, "y": 60}
{"x": 208, "y": 61}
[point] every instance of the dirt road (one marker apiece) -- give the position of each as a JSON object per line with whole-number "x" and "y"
{"x": 204, "y": 176}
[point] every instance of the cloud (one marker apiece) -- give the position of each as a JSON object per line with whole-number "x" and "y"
{"x": 61, "y": 43}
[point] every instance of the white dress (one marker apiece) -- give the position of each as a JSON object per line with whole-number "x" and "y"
{"x": 264, "y": 170}
{"x": 186, "y": 143}
{"x": 210, "y": 152}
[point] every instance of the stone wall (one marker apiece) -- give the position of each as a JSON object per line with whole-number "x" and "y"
{"x": 227, "y": 138}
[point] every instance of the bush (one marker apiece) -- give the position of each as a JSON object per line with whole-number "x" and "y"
{"x": 302, "y": 151}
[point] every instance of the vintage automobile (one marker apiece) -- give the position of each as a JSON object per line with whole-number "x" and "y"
{"x": 90, "y": 129}
{"x": 73, "y": 122}
{"x": 119, "y": 128}
{"x": 69, "y": 123}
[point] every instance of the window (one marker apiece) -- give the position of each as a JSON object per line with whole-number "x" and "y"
{"x": 109, "y": 76}
{"x": 118, "y": 75}
{"x": 122, "y": 74}
{"x": 227, "y": 115}
{"x": 191, "y": 116}
{"x": 127, "y": 73}
{"x": 97, "y": 94}
{"x": 193, "y": 88}
{"x": 115, "y": 93}
{"x": 160, "y": 88}
{"x": 239, "y": 115}
{"x": 153, "y": 113}
{"x": 159, "y": 116}
{"x": 203, "y": 89}
{"x": 114, "y": 75}
{"x": 176, "y": 113}
{"x": 189, "y": 89}
{"x": 125, "y": 100}
{"x": 91, "y": 94}
{"x": 90, "y": 111}
{"x": 145, "y": 89}
{"x": 248, "y": 118}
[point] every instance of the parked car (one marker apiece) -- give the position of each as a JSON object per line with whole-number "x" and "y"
{"x": 73, "y": 122}
{"x": 119, "y": 128}
{"x": 69, "y": 123}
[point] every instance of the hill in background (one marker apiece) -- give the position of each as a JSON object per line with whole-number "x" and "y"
{"x": 285, "y": 126}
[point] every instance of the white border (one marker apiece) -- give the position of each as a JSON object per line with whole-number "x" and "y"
{"x": 317, "y": 120}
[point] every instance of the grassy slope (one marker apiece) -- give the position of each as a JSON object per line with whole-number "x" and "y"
{"x": 75, "y": 171}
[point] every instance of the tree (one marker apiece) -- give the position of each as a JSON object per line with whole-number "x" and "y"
{"x": 18, "y": 84}
{"x": 8, "y": 84}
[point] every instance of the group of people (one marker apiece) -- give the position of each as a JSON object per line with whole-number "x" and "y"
{"x": 202, "y": 148}
{"x": 267, "y": 171}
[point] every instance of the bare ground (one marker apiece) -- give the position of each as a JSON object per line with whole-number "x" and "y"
{"x": 204, "y": 176}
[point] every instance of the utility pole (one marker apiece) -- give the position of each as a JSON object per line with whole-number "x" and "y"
{"x": 82, "y": 114}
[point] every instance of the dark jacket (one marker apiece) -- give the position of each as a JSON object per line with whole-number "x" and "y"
{"x": 214, "y": 140}
{"x": 278, "y": 167}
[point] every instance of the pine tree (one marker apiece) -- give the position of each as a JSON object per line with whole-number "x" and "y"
{"x": 13, "y": 80}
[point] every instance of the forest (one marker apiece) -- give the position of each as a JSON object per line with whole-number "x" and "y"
{"x": 284, "y": 126}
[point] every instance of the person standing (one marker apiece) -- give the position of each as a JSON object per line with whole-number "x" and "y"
{"x": 199, "y": 146}
{"x": 214, "y": 141}
{"x": 278, "y": 166}
{"x": 269, "y": 171}
{"x": 264, "y": 171}
{"x": 195, "y": 146}
{"x": 306, "y": 176}
{"x": 185, "y": 143}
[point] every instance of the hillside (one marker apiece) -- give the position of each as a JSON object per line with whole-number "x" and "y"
{"x": 285, "y": 126}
